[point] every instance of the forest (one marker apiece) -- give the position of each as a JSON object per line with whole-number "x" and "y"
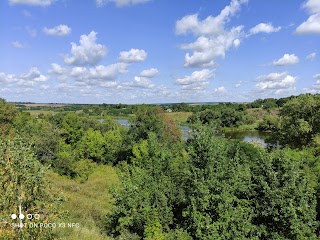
{"x": 76, "y": 164}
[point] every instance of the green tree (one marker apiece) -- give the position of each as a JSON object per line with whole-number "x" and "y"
{"x": 7, "y": 114}
{"x": 149, "y": 193}
{"x": 72, "y": 129}
{"x": 219, "y": 189}
{"x": 153, "y": 119}
{"x": 269, "y": 123}
{"x": 285, "y": 202}
{"x": 239, "y": 191}
{"x": 91, "y": 146}
{"x": 22, "y": 182}
{"x": 112, "y": 145}
{"x": 299, "y": 122}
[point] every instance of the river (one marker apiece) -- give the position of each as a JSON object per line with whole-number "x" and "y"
{"x": 247, "y": 136}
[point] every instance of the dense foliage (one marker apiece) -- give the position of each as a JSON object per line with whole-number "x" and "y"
{"x": 299, "y": 122}
{"x": 205, "y": 187}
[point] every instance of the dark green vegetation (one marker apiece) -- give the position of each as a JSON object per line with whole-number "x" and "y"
{"x": 144, "y": 182}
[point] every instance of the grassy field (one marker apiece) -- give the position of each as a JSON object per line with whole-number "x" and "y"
{"x": 180, "y": 117}
{"x": 84, "y": 203}
{"x": 35, "y": 113}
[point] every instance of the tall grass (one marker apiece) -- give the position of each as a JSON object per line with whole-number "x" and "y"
{"x": 83, "y": 203}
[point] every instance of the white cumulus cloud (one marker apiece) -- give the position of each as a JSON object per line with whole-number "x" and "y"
{"x": 264, "y": 28}
{"x": 88, "y": 52}
{"x": 213, "y": 39}
{"x": 312, "y": 24}
{"x": 132, "y": 56}
{"x": 140, "y": 82}
{"x": 287, "y": 59}
{"x": 312, "y": 6}
{"x": 32, "y": 78}
{"x": 60, "y": 30}
{"x": 275, "y": 81}
{"x": 101, "y": 72}
{"x": 34, "y": 75}
{"x": 57, "y": 69}
{"x": 196, "y": 77}
{"x": 149, "y": 73}
{"x": 41, "y": 3}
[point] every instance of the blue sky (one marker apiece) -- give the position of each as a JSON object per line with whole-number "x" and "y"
{"x": 156, "y": 51}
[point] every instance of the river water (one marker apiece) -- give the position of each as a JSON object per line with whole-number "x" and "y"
{"x": 247, "y": 136}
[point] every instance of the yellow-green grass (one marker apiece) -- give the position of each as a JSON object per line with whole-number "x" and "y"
{"x": 35, "y": 113}
{"x": 260, "y": 113}
{"x": 84, "y": 203}
{"x": 180, "y": 117}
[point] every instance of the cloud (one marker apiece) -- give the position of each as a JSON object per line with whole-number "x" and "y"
{"x": 109, "y": 72}
{"x": 109, "y": 84}
{"x": 41, "y": 3}
{"x": 101, "y": 72}
{"x": 44, "y": 87}
{"x": 275, "y": 82}
{"x": 17, "y": 44}
{"x": 149, "y": 73}
{"x": 317, "y": 76}
{"x": 237, "y": 85}
{"x": 264, "y": 28}
{"x": 7, "y": 78}
{"x": 61, "y": 30}
{"x": 213, "y": 39}
{"x": 206, "y": 49}
{"x": 198, "y": 86}
{"x": 121, "y": 3}
{"x": 236, "y": 43}
{"x": 220, "y": 90}
{"x": 140, "y": 82}
{"x": 34, "y": 75}
{"x": 57, "y": 69}
{"x": 132, "y": 56}
{"x": 312, "y": 24}
{"x": 32, "y": 78}
{"x": 311, "y": 56}
{"x": 88, "y": 52}
{"x": 78, "y": 71}
{"x": 210, "y": 25}
{"x": 287, "y": 59}
{"x": 196, "y": 77}
{"x": 312, "y": 6}
{"x": 315, "y": 88}
{"x": 143, "y": 80}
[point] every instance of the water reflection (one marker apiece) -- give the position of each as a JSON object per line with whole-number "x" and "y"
{"x": 247, "y": 136}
